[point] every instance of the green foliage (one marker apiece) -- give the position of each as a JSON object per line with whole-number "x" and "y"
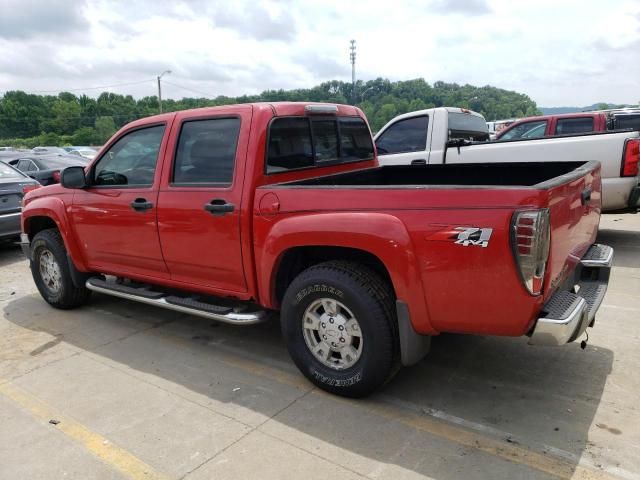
{"x": 82, "y": 120}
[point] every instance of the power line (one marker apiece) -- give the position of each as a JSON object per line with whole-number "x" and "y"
{"x": 89, "y": 88}
{"x": 189, "y": 89}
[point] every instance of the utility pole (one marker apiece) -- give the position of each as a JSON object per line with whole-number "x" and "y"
{"x": 352, "y": 56}
{"x": 160, "y": 89}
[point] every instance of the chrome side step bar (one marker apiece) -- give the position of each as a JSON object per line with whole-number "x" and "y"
{"x": 233, "y": 316}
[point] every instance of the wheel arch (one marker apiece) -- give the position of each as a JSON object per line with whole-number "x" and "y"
{"x": 378, "y": 240}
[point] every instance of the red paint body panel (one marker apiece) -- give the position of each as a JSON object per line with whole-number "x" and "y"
{"x": 448, "y": 288}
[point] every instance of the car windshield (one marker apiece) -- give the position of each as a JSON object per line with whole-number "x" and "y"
{"x": 7, "y": 172}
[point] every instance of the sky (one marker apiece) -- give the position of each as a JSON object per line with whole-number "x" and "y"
{"x": 560, "y": 53}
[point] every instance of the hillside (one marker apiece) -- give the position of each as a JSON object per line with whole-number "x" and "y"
{"x": 29, "y": 120}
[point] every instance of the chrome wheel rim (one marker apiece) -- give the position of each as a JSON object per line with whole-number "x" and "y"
{"x": 50, "y": 271}
{"x": 332, "y": 333}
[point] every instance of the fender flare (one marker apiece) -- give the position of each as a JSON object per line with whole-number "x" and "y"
{"x": 54, "y": 208}
{"x": 379, "y": 234}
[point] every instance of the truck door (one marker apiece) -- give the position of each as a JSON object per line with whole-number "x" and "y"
{"x": 404, "y": 142}
{"x": 115, "y": 218}
{"x": 200, "y": 204}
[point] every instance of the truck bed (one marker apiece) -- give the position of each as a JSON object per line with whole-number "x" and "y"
{"x": 538, "y": 174}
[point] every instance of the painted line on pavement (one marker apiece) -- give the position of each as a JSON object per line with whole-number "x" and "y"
{"x": 99, "y": 446}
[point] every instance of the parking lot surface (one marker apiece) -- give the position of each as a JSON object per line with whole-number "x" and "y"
{"x": 118, "y": 390}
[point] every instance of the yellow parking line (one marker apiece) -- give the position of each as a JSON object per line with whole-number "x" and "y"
{"x": 543, "y": 462}
{"x": 113, "y": 455}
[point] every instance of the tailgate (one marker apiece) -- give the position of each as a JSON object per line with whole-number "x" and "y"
{"x": 574, "y": 202}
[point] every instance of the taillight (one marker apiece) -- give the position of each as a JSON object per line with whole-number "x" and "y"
{"x": 56, "y": 176}
{"x": 530, "y": 238}
{"x": 630, "y": 158}
{"x": 27, "y": 188}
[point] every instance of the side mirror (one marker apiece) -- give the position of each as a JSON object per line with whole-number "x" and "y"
{"x": 73, "y": 177}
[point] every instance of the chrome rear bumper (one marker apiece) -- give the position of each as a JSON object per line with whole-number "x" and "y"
{"x": 568, "y": 313}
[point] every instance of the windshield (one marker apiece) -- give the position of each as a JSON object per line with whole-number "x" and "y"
{"x": 469, "y": 126}
{"x": 7, "y": 172}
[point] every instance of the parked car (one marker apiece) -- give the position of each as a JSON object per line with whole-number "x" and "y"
{"x": 497, "y": 126}
{"x": 49, "y": 151}
{"x": 447, "y": 136}
{"x": 85, "y": 152}
{"x": 13, "y": 185}
{"x": 44, "y": 168}
{"x": 232, "y": 212}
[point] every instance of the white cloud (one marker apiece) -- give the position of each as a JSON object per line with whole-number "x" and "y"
{"x": 559, "y": 53}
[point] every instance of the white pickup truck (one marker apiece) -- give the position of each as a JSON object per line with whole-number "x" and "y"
{"x": 454, "y": 135}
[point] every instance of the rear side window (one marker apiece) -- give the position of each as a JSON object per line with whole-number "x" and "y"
{"x": 302, "y": 142}
{"x": 623, "y": 122}
{"x": 574, "y": 125}
{"x": 404, "y": 136}
{"x": 206, "y": 152}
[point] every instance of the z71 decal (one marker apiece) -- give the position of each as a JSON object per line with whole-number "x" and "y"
{"x": 464, "y": 236}
{"x": 474, "y": 236}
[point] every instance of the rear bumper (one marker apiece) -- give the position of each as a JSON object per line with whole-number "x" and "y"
{"x": 572, "y": 309}
{"x": 10, "y": 225}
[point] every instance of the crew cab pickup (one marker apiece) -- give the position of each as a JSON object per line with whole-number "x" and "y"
{"x": 571, "y": 123}
{"x": 452, "y": 135}
{"x": 233, "y": 212}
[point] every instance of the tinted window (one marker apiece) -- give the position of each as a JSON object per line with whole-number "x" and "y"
{"x": 627, "y": 121}
{"x": 207, "y": 151}
{"x": 335, "y": 140}
{"x": 574, "y": 125}
{"x": 355, "y": 139}
{"x": 525, "y": 130}
{"x": 408, "y": 135}
{"x": 131, "y": 160}
{"x": 325, "y": 137}
{"x": 7, "y": 172}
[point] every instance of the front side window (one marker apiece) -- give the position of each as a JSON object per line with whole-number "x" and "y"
{"x": 566, "y": 126}
{"x": 409, "y": 135}
{"x": 206, "y": 151}
{"x": 526, "y": 130}
{"x": 131, "y": 160}
{"x": 302, "y": 142}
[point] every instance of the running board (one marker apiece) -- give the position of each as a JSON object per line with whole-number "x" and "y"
{"x": 178, "y": 304}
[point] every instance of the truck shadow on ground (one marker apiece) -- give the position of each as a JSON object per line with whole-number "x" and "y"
{"x": 531, "y": 397}
{"x": 626, "y": 244}
{"x": 10, "y": 253}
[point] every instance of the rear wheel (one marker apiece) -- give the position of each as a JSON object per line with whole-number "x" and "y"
{"x": 50, "y": 271}
{"x": 339, "y": 324}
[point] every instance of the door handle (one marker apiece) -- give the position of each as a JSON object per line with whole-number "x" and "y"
{"x": 141, "y": 204}
{"x": 419, "y": 161}
{"x": 585, "y": 197}
{"x": 219, "y": 207}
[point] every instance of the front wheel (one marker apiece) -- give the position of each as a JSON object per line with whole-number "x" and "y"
{"x": 339, "y": 324}
{"x": 50, "y": 271}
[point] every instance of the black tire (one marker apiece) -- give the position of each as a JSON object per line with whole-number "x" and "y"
{"x": 67, "y": 296}
{"x": 371, "y": 300}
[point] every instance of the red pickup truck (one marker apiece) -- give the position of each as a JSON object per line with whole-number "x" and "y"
{"x": 232, "y": 212}
{"x": 571, "y": 124}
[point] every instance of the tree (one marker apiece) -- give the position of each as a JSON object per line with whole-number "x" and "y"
{"x": 105, "y": 128}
